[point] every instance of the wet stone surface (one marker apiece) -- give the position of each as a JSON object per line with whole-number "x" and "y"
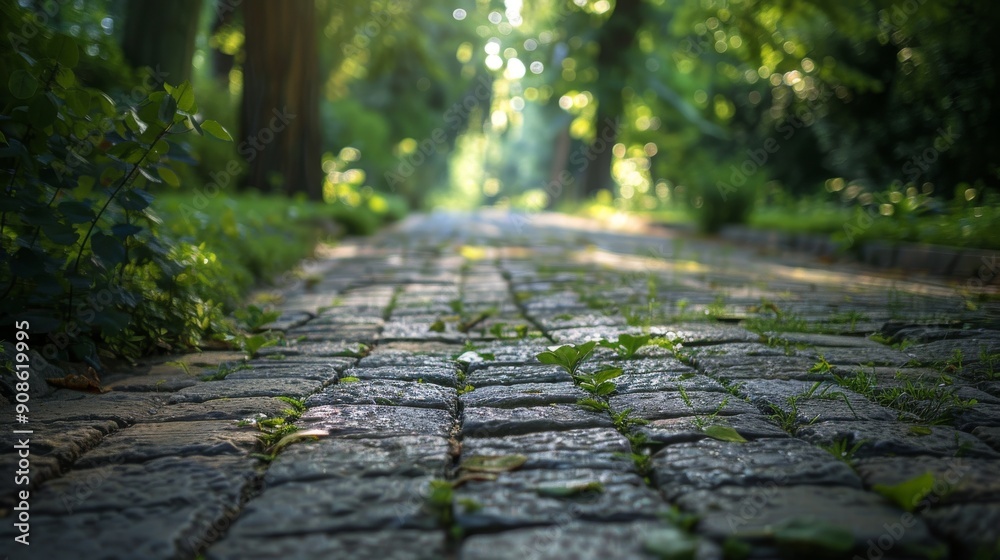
{"x": 676, "y": 430}
{"x": 956, "y": 479}
{"x": 708, "y": 464}
{"x": 655, "y": 406}
{"x": 172, "y": 439}
{"x": 158, "y": 482}
{"x": 400, "y": 456}
{"x": 336, "y": 505}
{"x": 752, "y": 511}
{"x": 439, "y": 375}
{"x": 669, "y": 382}
{"x": 594, "y": 448}
{"x": 363, "y": 421}
{"x": 235, "y": 388}
{"x": 894, "y": 438}
{"x": 395, "y": 440}
{"x": 495, "y": 422}
{"x": 827, "y": 402}
{"x": 522, "y": 395}
{"x": 580, "y": 540}
{"x": 406, "y": 544}
{"x": 513, "y": 375}
{"x": 971, "y": 529}
{"x": 386, "y": 392}
{"x": 526, "y": 498}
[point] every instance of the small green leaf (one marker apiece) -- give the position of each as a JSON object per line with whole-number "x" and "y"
{"x": 296, "y": 436}
{"x": 125, "y": 230}
{"x": 110, "y": 175}
{"x": 22, "y": 85}
{"x": 670, "y": 543}
{"x": 107, "y": 104}
{"x": 437, "y": 326}
{"x": 920, "y": 430}
{"x": 594, "y": 405}
{"x": 168, "y": 108}
{"x": 193, "y": 122}
{"x": 804, "y": 536}
{"x": 183, "y": 94}
{"x": 78, "y": 101}
{"x": 723, "y": 433}
{"x": 570, "y": 490}
{"x": 493, "y": 463}
{"x": 133, "y": 123}
{"x": 123, "y": 150}
{"x": 149, "y": 110}
{"x": 161, "y": 147}
{"x": 65, "y": 77}
{"x": 63, "y": 48}
{"x": 61, "y": 233}
{"x": 107, "y": 248}
{"x": 135, "y": 199}
{"x": 168, "y": 176}
{"x": 909, "y": 493}
{"x": 217, "y": 130}
{"x": 607, "y": 374}
{"x": 84, "y": 186}
{"x": 76, "y": 212}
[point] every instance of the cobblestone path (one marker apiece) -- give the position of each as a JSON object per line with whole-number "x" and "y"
{"x": 758, "y": 419}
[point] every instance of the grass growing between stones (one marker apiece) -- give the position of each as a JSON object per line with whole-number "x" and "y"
{"x": 710, "y": 424}
{"x": 280, "y": 431}
{"x": 675, "y": 540}
{"x": 843, "y": 450}
{"x": 223, "y": 370}
{"x": 915, "y": 401}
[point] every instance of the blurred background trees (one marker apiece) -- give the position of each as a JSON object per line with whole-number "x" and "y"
{"x": 703, "y": 108}
{"x": 864, "y": 119}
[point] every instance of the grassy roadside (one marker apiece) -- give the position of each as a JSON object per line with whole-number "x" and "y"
{"x": 249, "y": 239}
{"x": 956, "y": 225}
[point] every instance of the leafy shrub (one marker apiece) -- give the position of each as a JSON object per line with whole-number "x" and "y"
{"x": 80, "y": 255}
{"x": 725, "y": 196}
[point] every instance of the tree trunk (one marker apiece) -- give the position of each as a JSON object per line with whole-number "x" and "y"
{"x": 280, "y": 113}
{"x": 615, "y": 40}
{"x": 161, "y": 35}
{"x": 597, "y": 175}
{"x": 222, "y": 63}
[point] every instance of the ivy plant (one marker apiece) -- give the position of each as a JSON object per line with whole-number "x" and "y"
{"x": 81, "y": 257}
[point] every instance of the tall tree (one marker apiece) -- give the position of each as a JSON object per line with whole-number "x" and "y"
{"x": 161, "y": 35}
{"x": 615, "y": 40}
{"x": 280, "y": 119}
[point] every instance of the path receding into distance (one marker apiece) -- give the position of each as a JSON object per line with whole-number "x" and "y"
{"x": 446, "y": 438}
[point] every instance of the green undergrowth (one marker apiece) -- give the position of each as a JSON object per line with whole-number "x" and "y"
{"x": 280, "y": 431}
{"x": 932, "y": 403}
{"x": 105, "y": 252}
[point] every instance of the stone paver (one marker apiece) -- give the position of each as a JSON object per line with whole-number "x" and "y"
{"x": 429, "y": 429}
